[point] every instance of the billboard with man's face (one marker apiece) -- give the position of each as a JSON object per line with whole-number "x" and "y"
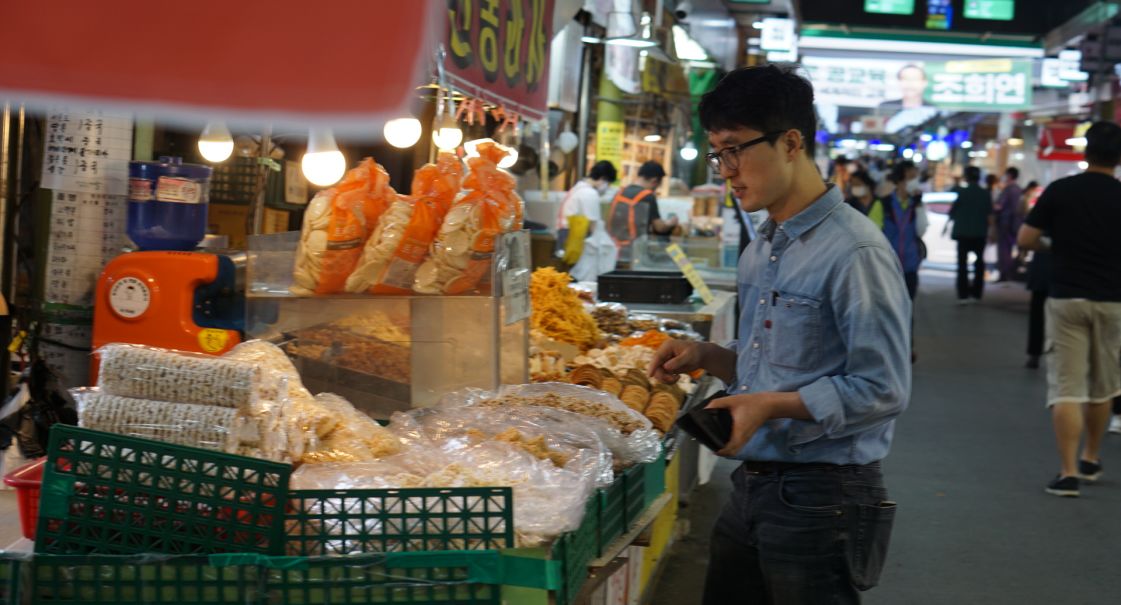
{"x": 993, "y": 85}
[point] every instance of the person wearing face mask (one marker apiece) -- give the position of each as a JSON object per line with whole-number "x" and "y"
{"x": 864, "y": 199}
{"x": 580, "y": 213}
{"x": 905, "y": 221}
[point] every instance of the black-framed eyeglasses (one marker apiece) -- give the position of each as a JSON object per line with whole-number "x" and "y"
{"x": 730, "y": 156}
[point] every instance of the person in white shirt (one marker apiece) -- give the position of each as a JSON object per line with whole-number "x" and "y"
{"x": 584, "y": 199}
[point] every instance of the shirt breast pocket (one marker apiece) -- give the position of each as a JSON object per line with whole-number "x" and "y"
{"x": 794, "y": 337}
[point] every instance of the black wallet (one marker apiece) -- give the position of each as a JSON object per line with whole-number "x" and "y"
{"x": 713, "y": 428}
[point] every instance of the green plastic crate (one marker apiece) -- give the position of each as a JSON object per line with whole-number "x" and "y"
{"x": 453, "y": 577}
{"x": 10, "y": 577}
{"x": 576, "y": 550}
{"x": 643, "y": 484}
{"x": 326, "y": 522}
{"x": 112, "y": 494}
{"x": 612, "y": 513}
{"x": 139, "y": 579}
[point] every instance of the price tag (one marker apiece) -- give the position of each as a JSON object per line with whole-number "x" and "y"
{"x": 678, "y": 255}
{"x": 515, "y": 299}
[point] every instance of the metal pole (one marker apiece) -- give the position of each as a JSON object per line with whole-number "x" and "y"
{"x": 262, "y": 181}
{"x": 6, "y": 211}
{"x": 584, "y": 108}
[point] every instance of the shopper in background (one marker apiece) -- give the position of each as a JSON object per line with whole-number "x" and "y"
{"x": 972, "y": 215}
{"x": 864, "y": 199}
{"x": 583, "y": 200}
{"x": 1008, "y": 221}
{"x": 905, "y": 221}
{"x": 634, "y": 211}
{"x": 1080, "y": 214}
{"x": 819, "y": 372}
{"x": 1039, "y": 283}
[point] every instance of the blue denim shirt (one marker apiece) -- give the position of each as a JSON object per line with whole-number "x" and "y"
{"x": 825, "y": 312}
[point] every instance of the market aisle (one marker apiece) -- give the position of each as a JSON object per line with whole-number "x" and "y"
{"x": 971, "y": 458}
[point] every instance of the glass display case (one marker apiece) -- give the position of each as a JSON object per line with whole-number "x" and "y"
{"x": 715, "y": 261}
{"x": 390, "y": 353}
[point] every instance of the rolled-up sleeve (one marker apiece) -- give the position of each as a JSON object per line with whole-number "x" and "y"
{"x": 873, "y": 315}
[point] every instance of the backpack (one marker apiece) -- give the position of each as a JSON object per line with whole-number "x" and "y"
{"x": 621, "y": 220}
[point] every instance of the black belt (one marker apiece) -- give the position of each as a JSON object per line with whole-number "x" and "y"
{"x": 755, "y": 467}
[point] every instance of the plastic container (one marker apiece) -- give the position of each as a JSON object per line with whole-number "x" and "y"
{"x": 114, "y": 494}
{"x": 27, "y": 480}
{"x": 167, "y": 204}
{"x": 659, "y": 287}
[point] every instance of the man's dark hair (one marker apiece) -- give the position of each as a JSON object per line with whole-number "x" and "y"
{"x": 864, "y": 177}
{"x": 1013, "y": 172}
{"x": 1032, "y": 184}
{"x": 899, "y": 171}
{"x": 651, "y": 170}
{"x": 1103, "y": 144}
{"x": 972, "y": 175}
{"x": 767, "y": 98}
{"x": 603, "y": 170}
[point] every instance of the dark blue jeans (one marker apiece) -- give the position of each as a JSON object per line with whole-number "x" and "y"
{"x": 811, "y": 535}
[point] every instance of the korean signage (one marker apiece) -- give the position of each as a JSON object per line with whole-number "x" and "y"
{"x": 778, "y": 35}
{"x": 498, "y": 51}
{"x": 988, "y": 85}
{"x": 895, "y": 86}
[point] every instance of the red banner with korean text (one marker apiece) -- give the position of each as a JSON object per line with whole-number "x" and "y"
{"x": 498, "y": 51}
{"x": 347, "y": 64}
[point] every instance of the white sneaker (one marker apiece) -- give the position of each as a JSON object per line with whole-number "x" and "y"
{"x": 1115, "y": 424}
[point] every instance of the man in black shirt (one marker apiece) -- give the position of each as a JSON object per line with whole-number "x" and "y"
{"x": 1081, "y": 214}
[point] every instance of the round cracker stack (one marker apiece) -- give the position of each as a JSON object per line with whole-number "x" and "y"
{"x": 662, "y": 410}
{"x": 636, "y": 377}
{"x": 612, "y": 385}
{"x": 587, "y": 375}
{"x": 635, "y": 396}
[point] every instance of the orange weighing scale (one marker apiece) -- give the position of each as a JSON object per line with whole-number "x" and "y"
{"x": 187, "y": 301}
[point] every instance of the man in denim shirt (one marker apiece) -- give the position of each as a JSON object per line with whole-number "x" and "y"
{"x": 820, "y": 372}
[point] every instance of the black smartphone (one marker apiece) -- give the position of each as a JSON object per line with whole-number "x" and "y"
{"x": 713, "y": 428}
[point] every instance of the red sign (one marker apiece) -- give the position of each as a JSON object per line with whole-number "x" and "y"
{"x": 1053, "y": 143}
{"x": 498, "y": 51}
{"x": 350, "y": 64}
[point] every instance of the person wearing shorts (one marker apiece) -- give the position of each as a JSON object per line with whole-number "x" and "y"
{"x": 1076, "y": 218}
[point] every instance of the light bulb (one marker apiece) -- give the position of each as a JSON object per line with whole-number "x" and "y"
{"x": 1083, "y": 165}
{"x": 510, "y": 159}
{"x": 966, "y": 144}
{"x": 402, "y": 132}
{"x": 908, "y": 153}
{"x": 215, "y": 143}
{"x": 689, "y": 152}
{"x": 652, "y": 138}
{"x": 567, "y": 141}
{"x": 323, "y": 164}
{"x": 447, "y": 135}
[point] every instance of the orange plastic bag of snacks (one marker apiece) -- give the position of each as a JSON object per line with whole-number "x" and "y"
{"x": 462, "y": 253}
{"x": 337, "y": 223}
{"x": 390, "y": 258}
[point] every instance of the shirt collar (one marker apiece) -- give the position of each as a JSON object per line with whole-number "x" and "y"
{"x": 809, "y": 218}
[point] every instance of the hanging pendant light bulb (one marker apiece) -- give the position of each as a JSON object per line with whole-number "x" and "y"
{"x": 510, "y": 144}
{"x": 446, "y": 133}
{"x": 402, "y": 132}
{"x": 323, "y": 164}
{"x": 689, "y": 151}
{"x": 215, "y": 143}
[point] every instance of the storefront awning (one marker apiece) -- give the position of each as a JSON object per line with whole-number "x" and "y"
{"x": 347, "y": 64}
